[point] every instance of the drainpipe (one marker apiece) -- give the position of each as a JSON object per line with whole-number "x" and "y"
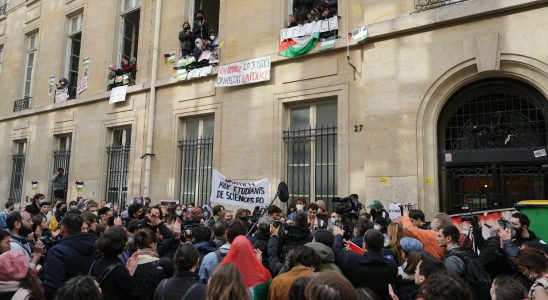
{"x": 152, "y": 104}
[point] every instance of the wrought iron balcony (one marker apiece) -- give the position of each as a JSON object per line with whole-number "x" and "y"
{"x": 3, "y": 9}
{"x": 21, "y": 104}
{"x": 421, "y": 5}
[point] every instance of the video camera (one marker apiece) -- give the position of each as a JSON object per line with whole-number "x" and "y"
{"x": 469, "y": 217}
{"x": 347, "y": 206}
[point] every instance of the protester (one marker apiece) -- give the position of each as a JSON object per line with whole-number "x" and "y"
{"x": 243, "y": 256}
{"x": 506, "y": 288}
{"x": 227, "y": 284}
{"x": 34, "y": 208}
{"x": 427, "y": 268}
{"x": 406, "y": 287}
{"x": 446, "y": 287}
{"x": 113, "y": 278}
{"x": 70, "y": 257}
{"x": 448, "y": 237}
{"x": 4, "y": 241}
{"x": 17, "y": 282}
{"x": 533, "y": 263}
{"x": 145, "y": 259}
{"x": 372, "y": 269}
{"x": 302, "y": 261}
{"x": 20, "y": 226}
{"x": 219, "y": 230}
{"x": 520, "y": 225}
{"x": 80, "y": 287}
{"x": 8, "y": 207}
{"x": 200, "y": 28}
{"x": 395, "y": 234}
{"x": 329, "y": 286}
{"x": 185, "y": 282}
{"x": 296, "y": 235}
{"x": 296, "y": 291}
{"x": 313, "y": 221}
{"x": 299, "y": 206}
{"x": 411, "y": 222}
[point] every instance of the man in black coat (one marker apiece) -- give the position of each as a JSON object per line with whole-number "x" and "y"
{"x": 372, "y": 269}
{"x": 70, "y": 257}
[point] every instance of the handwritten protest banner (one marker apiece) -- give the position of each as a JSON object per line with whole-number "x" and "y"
{"x": 244, "y": 72}
{"x": 230, "y": 192}
{"x": 118, "y": 94}
{"x": 309, "y": 28}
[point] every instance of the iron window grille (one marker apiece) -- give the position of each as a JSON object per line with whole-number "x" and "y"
{"x": 16, "y": 187}
{"x": 21, "y": 104}
{"x": 312, "y": 163}
{"x": 117, "y": 174}
{"x": 196, "y": 169}
{"x": 3, "y": 9}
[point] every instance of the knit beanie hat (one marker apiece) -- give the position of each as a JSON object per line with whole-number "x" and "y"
{"x": 13, "y": 266}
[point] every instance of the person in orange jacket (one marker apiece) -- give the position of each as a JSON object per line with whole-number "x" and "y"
{"x": 411, "y": 221}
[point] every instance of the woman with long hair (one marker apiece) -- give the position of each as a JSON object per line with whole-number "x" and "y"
{"x": 395, "y": 234}
{"x": 227, "y": 284}
{"x": 145, "y": 259}
{"x": 533, "y": 263}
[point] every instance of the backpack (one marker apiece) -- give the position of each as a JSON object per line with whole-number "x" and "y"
{"x": 475, "y": 274}
{"x": 220, "y": 255}
{"x": 106, "y": 272}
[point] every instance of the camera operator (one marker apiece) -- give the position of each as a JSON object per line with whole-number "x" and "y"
{"x": 512, "y": 244}
{"x": 491, "y": 256}
{"x": 378, "y": 211}
{"x": 273, "y": 213}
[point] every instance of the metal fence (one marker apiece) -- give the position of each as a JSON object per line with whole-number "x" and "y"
{"x": 21, "y": 104}
{"x": 16, "y": 187}
{"x": 117, "y": 174}
{"x": 421, "y": 5}
{"x": 196, "y": 170}
{"x": 61, "y": 159}
{"x": 315, "y": 147}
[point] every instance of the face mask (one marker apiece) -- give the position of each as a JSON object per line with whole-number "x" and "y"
{"x": 96, "y": 213}
{"x": 300, "y": 207}
{"x": 186, "y": 28}
{"x": 319, "y": 210}
{"x": 377, "y": 227}
{"x": 212, "y": 37}
{"x": 333, "y": 220}
{"x": 200, "y": 17}
{"x": 179, "y": 213}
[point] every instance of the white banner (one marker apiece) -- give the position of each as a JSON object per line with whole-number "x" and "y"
{"x": 82, "y": 85}
{"x": 244, "y": 72}
{"x": 309, "y": 28}
{"x": 230, "y": 192}
{"x": 118, "y": 94}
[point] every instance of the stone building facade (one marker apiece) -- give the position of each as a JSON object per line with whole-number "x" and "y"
{"x": 443, "y": 104}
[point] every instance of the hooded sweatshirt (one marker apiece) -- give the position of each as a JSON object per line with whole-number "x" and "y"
{"x": 326, "y": 255}
{"x": 70, "y": 257}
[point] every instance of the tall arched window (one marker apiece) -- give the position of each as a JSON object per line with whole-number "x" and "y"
{"x": 492, "y": 140}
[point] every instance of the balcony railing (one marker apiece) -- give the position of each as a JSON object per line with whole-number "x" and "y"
{"x": 3, "y": 9}
{"x": 21, "y": 104}
{"x": 421, "y": 5}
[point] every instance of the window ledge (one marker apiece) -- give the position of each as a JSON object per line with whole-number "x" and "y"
{"x": 2, "y": 17}
{"x": 30, "y": 2}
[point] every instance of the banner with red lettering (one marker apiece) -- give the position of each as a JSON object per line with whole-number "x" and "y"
{"x": 244, "y": 72}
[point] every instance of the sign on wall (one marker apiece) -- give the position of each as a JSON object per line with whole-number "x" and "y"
{"x": 230, "y": 192}
{"x": 244, "y": 72}
{"x": 118, "y": 94}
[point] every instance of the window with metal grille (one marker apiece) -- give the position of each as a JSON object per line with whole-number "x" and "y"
{"x": 32, "y": 41}
{"x": 311, "y": 151}
{"x": 131, "y": 16}
{"x": 17, "y": 171}
{"x": 196, "y": 160}
{"x": 74, "y": 43}
{"x": 118, "y": 166}
{"x": 61, "y": 159}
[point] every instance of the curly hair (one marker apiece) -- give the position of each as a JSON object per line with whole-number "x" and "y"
{"x": 304, "y": 256}
{"x": 80, "y": 287}
{"x": 113, "y": 241}
{"x": 533, "y": 260}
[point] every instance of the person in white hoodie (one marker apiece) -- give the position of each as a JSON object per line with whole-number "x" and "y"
{"x": 17, "y": 282}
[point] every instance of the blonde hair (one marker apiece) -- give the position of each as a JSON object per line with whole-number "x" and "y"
{"x": 395, "y": 232}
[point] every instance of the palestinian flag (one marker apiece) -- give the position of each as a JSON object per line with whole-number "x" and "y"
{"x": 299, "y": 46}
{"x": 357, "y": 35}
{"x": 169, "y": 58}
{"x": 325, "y": 44}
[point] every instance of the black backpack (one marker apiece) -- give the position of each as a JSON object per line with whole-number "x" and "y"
{"x": 106, "y": 272}
{"x": 475, "y": 274}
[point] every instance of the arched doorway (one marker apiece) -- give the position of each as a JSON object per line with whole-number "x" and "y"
{"x": 491, "y": 140}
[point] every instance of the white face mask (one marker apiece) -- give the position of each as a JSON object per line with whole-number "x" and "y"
{"x": 377, "y": 227}
{"x": 179, "y": 213}
{"x": 96, "y": 213}
{"x": 300, "y": 207}
{"x": 333, "y": 220}
{"x": 212, "y": 37}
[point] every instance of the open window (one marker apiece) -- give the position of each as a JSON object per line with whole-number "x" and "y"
{"x": 32, "y": 45}
{"x": 73, "y": 51}
{"x": 131, "y": 16}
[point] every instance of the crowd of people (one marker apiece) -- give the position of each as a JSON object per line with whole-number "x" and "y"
{"x": 97, "y": 250}
{"x": 308, "y": 11}
{"x": 199, "y": 42}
